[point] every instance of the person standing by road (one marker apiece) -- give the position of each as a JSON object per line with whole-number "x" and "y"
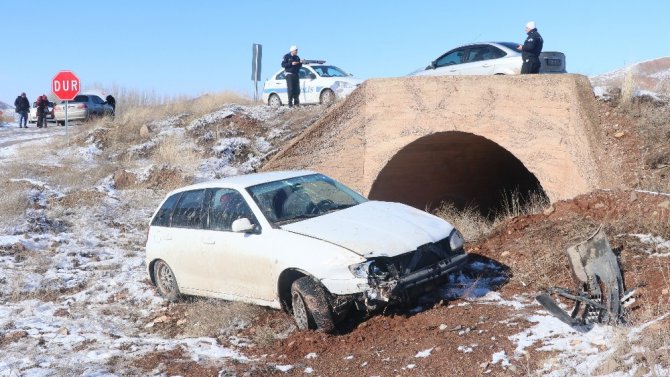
{"x": 22, "y": 107}
{"x": 42, "y": 110}
{"x": 111, "y": 102}
{"x": 530, "y": 51}
{"x": 291, "y": 64}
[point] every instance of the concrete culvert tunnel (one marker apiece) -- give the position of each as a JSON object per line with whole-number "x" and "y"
{"x": 461, "y": 168}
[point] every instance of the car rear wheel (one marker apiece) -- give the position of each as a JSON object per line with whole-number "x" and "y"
{"x": 274, "y": 100}
{"x": 311, "y": 309}
{"x": 166, "y": 283}
{"x": 327, "y": 97}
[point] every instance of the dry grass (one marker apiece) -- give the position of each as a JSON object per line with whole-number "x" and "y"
{"x": 14, "y": 204}
{"x": 474, "y": 226}
{"x": 628, "y": 87}
{"x": 513, "y": 204}
{"x": 7, "y": 117}
{"x": 175, "y": 151}
{"x": 468, "y": 221}
{"x": 207, "y": 103}
{"x": 123, "y": 131}
{"x": 647, "y": 352}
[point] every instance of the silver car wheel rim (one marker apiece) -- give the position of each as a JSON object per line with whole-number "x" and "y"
{"x": 300, "y": 312}
{"x": 275, "y": 101}
{"x": 165, "y": 278}
{"x": 328, "y": 97}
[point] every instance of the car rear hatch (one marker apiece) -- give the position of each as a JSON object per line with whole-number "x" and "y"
{"x": 552, "y": 62}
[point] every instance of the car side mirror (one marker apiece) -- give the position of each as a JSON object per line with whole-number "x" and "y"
{"x": 432, "y": 65}
{"x": 243, "y": 225}
{"x": 312, "y": 76}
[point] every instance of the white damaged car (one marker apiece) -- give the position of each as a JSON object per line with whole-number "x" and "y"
{"x": 319, "y": 83}
{"x": 298, "y": 241}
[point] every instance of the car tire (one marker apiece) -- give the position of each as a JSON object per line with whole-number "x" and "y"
{"x": 311, "y": 309}
{"x": 166, "y": 283}
{"x": 327, "y": 97}
{"x": 274, "y": 100}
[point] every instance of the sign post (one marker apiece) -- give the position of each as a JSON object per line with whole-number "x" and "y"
{"x": 65, "y": 85}
{"x": 256, "y": 67}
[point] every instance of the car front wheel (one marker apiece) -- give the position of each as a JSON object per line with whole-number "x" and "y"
{"x": 274, "y": 100}
{"x": 166, "y": 283}
{"x": 311, "y": 309}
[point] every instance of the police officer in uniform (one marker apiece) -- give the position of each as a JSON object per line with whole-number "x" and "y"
{"x": 530, "y": 51}
{"x": 291, "y": 64}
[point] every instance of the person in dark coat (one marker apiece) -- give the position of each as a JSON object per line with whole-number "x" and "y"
{"x": 42, "y": 110}
{"x": 111, "y": 102}
{"x": 530, "y": 51}
{"x": 291, "y": 64}
{"x": 22, "y": 107}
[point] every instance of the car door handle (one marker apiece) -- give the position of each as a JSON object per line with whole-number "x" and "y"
{"x": 486, "y": 65}
{"x": 209, "y": 242}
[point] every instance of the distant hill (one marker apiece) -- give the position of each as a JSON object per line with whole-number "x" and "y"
{"x": 4, "y": 106}
{"x": 652, "y": 75}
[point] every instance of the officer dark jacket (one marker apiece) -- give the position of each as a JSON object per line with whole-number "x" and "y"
{"x": 21, "y": 104}
{"x": 532, "y": 46}
{"x": 286, "y": 63}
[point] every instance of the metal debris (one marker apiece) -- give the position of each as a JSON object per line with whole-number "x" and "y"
{"x": 600, "y": 296}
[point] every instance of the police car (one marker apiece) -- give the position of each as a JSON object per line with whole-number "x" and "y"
{"x": 319, "y": 83}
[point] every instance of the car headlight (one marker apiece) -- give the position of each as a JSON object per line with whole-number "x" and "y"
{"x": 456, "y": 240}
{"x": 361, "y": 270}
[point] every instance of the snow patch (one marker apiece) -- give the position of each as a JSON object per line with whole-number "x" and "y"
{"x": 424, "y": 353}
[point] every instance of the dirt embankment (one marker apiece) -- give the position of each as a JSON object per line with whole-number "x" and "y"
{"x": 523, "y": 256}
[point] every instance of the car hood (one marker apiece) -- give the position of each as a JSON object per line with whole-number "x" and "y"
{"x": 374, "y": 228}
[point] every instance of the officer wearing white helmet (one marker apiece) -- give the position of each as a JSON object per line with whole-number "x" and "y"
{"x": 530, "y": 51}
{"x": 291, "y": 64}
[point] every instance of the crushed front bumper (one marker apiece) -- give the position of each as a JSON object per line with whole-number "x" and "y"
{"x": 408, "y": 287}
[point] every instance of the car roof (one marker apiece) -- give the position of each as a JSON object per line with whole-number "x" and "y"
{"x": 245, "y": 180}
{"x": 308, "y": 64}
{"x": 502, "y": 44}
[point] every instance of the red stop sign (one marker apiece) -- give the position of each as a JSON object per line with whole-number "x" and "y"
{"x": 65, "y": 85}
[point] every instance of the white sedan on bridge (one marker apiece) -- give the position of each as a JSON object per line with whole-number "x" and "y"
{"x": 491, "y": 58}
{"x": 319, "y": 83}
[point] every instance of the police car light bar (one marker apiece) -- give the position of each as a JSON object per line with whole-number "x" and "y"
{"x": 307, "y": 61}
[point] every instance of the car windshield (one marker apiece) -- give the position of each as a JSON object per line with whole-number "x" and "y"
{"x": 294, "y": 199}
{"x": 329, "y": 71}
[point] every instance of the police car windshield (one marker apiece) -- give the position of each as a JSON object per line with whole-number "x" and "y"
{"x": 329, "y": 71}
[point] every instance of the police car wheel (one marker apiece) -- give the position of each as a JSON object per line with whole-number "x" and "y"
{"x": 327, "y": 97}
{"x": 274, "y": 100}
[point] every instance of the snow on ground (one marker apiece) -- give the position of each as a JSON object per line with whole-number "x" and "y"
{"x": 74, "y": 288}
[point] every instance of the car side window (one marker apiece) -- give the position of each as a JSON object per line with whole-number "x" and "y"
{"x": 189, "y": 212}
{"x": 164, "y": 214}
{"x": 454, "y": 57}
{"x": 281, "y": 76}
{"x": 480, "y": 53}
{"x": 304, "y": 73}
{"x": 226, "y": 206}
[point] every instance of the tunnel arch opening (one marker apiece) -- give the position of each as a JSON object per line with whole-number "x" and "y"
{"x": 460, "y": 168}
